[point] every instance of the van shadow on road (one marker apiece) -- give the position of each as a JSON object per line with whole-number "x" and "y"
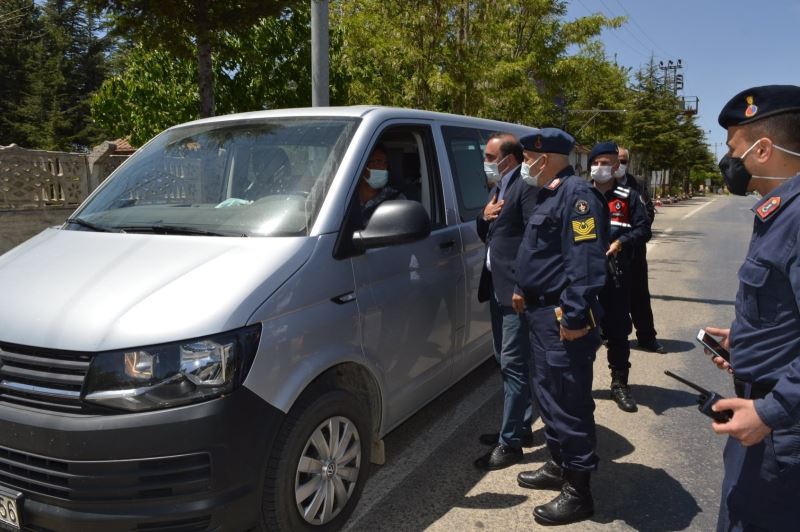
{"x": 645, "y": 498}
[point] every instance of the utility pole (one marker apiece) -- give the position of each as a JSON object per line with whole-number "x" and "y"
{"x": 672, "y": 80}
{"x": 319, "y": 54}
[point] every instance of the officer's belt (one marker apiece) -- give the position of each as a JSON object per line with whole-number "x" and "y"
{"x": 758, "y": 390}
{"x": 546, "y": 300}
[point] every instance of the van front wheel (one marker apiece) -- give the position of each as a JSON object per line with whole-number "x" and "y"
{"x": 319, "y": 465}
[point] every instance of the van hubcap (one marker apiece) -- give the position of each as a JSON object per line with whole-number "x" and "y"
{"x": 328, "y": 470}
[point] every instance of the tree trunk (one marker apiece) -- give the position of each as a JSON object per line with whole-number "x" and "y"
{"x": 204, "y": 67}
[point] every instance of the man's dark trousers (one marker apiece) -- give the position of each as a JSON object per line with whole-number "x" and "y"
{"x": 562, "y": 382}
{"x": 641, "y": 311}
{"x": 616, "y": 319}
{"x": 511, "y": 350}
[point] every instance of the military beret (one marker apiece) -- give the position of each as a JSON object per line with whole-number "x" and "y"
{"x": 548, "y": 140}
{"x": 759, "y": 102}
{"x": 601, "y": 148}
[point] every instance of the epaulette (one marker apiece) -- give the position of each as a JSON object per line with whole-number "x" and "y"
{"x": 769, "y": 208}
{"x": 622, "y": 192}
{"x": 554, "y": 183}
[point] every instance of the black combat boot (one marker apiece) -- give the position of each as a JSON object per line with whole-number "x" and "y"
{"x": 573, "y": 504}
{"x": 620, "y": 392}
{"x": 548, "y": 477}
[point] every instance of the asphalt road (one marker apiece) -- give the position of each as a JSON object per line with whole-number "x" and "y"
{"x": 660, "y": 468}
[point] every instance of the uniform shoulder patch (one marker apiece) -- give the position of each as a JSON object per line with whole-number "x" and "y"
{"x": 769, "y": 208}
{"x": 552, "y": 185}
{"x": 582, "y": 207}
{"x": 585, "y": 229}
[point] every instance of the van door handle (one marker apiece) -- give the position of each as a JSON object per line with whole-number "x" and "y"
{"x": 447, "y": 244}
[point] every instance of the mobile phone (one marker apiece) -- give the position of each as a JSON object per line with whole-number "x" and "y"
{"x": 710, "y": 343}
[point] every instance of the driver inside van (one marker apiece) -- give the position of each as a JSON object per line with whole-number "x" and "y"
{"x": 373, "y": 188}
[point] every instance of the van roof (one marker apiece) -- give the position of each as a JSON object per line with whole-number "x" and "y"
{"x": 356, "y": 111}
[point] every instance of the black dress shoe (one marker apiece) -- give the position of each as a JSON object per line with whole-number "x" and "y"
{"x": 548, "y": 477}
{"x": 500, "y": 457}
{"x": 654, "y": 346}
{"x": 573, "y": 504}
{"x": 621, "y": 395}
{"x": 493, "y": 438}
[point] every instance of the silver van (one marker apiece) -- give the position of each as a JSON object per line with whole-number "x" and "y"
{"x": 218, "y": 340}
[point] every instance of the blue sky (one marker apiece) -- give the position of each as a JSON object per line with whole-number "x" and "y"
{"x": 726, "y": 46}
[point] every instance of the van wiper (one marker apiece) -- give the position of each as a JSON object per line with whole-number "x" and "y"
{"x": 167, "y": 229}
{"x": 93, "y": 226}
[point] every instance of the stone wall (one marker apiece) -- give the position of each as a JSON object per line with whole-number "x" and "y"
{"x": 19, "y": 225}
{"x": 41, "y": 188}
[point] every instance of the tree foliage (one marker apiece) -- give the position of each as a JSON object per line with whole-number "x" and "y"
{"x": 51, "y": 62}
{"x": 267, "y": 67}
{"x": 503, "y": 60}
{"x": 189, "y": 28}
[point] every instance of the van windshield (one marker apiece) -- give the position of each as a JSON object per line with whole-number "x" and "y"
{"x": 265, "y": 177}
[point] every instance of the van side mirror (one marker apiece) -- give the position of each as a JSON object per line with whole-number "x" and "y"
{"x": 394, "y": 222}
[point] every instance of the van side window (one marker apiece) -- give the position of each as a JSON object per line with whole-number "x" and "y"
{"x": 464, "y": 148}
{"x": 413, "y": 170}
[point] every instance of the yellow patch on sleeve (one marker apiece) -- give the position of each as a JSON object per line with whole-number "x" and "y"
{"x": 584, "y": 229}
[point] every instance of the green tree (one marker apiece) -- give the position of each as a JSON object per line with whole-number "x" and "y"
{"x": 596, "y": 97}
{"x": 652, "y": 128}
{"x": 187, "y": 28}
{"x": 267, "y": 67}
{"x": 504, "y": 60}
{"x": 19, "y": 30}
{"x": 63, "y": 67}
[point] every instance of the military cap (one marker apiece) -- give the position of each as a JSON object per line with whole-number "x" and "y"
{"x": 602, "y": 148}
{"x": 548, "y": 140}
{"x": 760, "y": 102}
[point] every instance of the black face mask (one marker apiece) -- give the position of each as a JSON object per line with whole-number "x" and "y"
{"x": 735, "y": 174}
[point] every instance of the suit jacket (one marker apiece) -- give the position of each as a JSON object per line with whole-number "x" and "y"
{"x": 503, "y": 237}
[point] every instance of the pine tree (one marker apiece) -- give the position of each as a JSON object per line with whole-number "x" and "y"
{"x": 19, "y": 31}
{"x": 66, "y": 65}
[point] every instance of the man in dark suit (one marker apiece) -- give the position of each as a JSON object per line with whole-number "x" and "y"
{"x": 501, "y": 226}
{"x": 641, "y": 310}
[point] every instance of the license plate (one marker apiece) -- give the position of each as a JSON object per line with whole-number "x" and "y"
{"x": 10, "y": 506}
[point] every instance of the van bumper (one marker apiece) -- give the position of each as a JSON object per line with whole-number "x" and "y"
{"x": 197, "y": 467}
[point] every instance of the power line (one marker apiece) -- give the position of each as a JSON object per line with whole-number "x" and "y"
{"x": 630, "y": 17}
{"x": 626, "y": 28}
{"x": 619, "y": 37}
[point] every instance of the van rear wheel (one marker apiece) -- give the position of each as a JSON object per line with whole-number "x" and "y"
{"x": 319, "y": 464}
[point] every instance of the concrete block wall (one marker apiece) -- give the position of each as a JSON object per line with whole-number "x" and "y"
{"x": 17, "y": 226}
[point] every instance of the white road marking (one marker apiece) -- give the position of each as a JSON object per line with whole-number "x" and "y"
{"x": 697, "y": 209}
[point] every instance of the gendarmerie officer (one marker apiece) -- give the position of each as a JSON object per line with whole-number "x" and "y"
{"x": 761, "y": 489}
{"x": 501, "y": 225}
{"x": 630, "y": 228}
{"x": 561, "y": 267}
{"x": 641, "y": 308}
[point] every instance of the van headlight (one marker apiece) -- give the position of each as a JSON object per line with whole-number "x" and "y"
{"x": 175, "y": 374}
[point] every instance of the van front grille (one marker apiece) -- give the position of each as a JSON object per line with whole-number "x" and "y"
{"x": 42, "y": 378}
{"x": 120, "y": 480}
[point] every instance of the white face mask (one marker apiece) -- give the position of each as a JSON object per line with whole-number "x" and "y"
{"x": 525, "y": 173}
{"x": 620, "y": 173}
{"x": 601, "y": 174}
{"x": 492, "y": 173}
{"x": 377, "y": 178}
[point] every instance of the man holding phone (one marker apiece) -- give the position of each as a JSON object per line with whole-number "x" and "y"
{"x": 762, "y": 462}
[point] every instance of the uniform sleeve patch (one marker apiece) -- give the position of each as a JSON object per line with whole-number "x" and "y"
{"x": 582, "y": 207}
{"x": 584, "y": 229}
